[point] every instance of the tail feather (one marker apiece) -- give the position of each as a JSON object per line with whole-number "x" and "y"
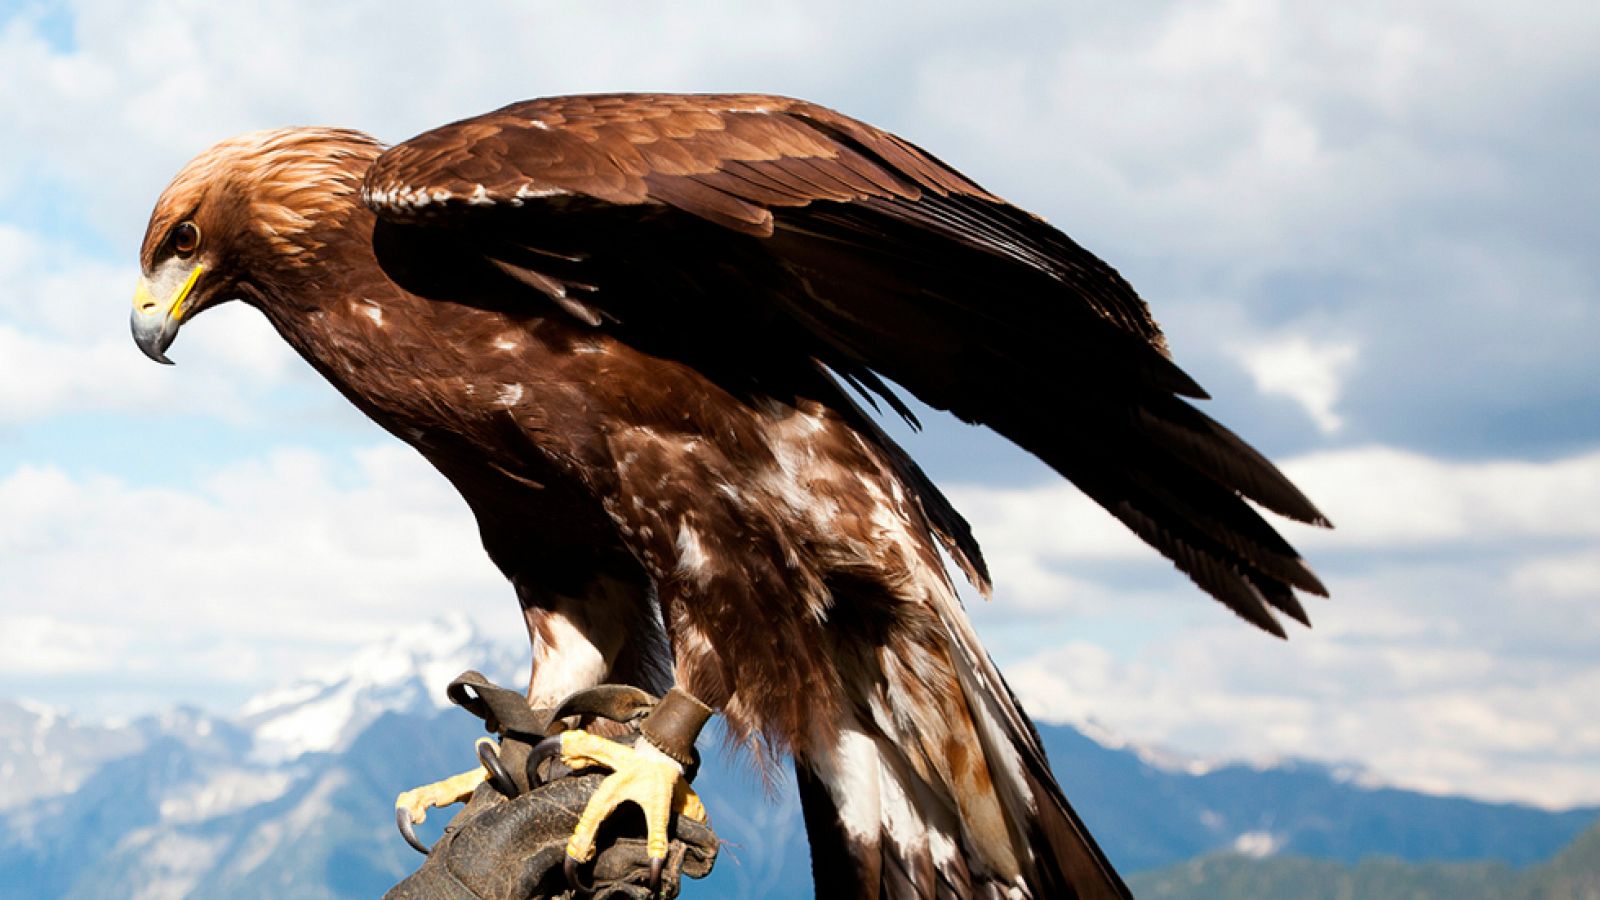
{"x": 940, "y": 788}
{"x": 1066, "y": 861}
{"x": 875, "y": 829}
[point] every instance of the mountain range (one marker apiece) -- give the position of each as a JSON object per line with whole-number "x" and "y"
{"x": 1573, "y": 874}
{"x": 293, "y": 796}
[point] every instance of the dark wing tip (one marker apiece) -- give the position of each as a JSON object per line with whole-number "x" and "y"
{"x": 1309, "y": 582}
{"x": 1275, "y": 629}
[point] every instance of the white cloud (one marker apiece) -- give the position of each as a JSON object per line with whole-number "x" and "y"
{"x": 1574, "y": 576}
{"x": 1387, "y": 173}
{"x": 1383, "y": 498}
{"x": 83, "y": 374}
{"x": 1430, "y": 713}
{"x": 1257, "y": 123}
{"x": 269, "y": 567}
{"x": 1457, "y": 653}
{"x": 45, "y": 645}
{"x": 64, "y": 332}
{"x": 1309, "y": 372}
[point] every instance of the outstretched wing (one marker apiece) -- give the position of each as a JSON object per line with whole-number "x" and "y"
{"x": 854, "y": 247}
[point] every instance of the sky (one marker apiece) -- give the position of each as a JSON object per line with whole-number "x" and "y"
{"x": 1369, "y": 229}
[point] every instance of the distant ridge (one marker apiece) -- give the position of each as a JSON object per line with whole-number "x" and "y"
{"x": 1574, "y": 874}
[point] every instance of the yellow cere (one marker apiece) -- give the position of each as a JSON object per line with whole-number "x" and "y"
{"x": 142, "y": 298}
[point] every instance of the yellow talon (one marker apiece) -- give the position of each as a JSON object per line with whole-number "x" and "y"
{"x": 455, "y": 789}
{"x": 641, "y": 774}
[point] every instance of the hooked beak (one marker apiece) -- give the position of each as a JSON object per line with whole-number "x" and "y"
{"x": 158, "y": 308}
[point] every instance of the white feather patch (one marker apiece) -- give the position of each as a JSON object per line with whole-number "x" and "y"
{"x": 692, "y": 558}
{"x": 534, "y": 192}
{"x": 850, "y": 774}
{"x": 569, "y": 662}
{"x": 901, "y": 819}
{"x": 509, "y": 394}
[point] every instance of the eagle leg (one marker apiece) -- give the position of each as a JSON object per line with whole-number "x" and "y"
{"x": 650, "y": 774}
{"x": 411, "y": 807}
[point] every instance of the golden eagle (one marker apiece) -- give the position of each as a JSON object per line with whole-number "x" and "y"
{"x": 625, "y": 327}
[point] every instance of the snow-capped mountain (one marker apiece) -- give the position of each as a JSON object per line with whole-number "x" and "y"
{"x": 186, "y": 803}
{"x": 405, "y": 674}
{"x": 294, "y": 795}
{"x": 45, "y": 751}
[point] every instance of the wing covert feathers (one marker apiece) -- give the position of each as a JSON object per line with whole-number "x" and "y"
{"x": 728, "y": 159}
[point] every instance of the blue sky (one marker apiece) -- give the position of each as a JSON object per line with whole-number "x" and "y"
{"x": 1368, "y": 228}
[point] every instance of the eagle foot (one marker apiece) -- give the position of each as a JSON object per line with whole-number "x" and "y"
{"x": 411, "y": 807}
{"x": 653, "y": 772}
{"x": 641, "y": 774}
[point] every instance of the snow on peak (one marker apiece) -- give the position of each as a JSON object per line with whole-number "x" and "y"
{"x": 1258, "y": 844}
{"x": 1180, "y": 763}
{"x": 407, "y": 672}
{"x": 1359, "y": 775}
{"x": 45, "y": 751}
{"x": 1151, "y": 755}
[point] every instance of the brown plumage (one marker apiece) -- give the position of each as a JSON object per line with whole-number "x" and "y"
{"x": 618, "y": 325}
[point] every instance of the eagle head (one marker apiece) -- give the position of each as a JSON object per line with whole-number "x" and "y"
{"x": 238, "y": 218}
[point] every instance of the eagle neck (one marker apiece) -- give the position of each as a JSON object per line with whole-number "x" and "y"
{"x": 307, "y": 296}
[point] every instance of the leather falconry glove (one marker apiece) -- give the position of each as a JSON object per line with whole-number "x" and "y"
{"x": 512, "y": 840}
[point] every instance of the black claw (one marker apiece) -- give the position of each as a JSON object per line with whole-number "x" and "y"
{"x": 656, "y": 865}
{"x": 498, "y": 776}
{"x": 570, "y": 868}
{"x": 547, "y": 749}
{"x": 402, "y": 819}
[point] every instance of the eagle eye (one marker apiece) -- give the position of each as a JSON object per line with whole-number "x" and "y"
{"x": 185, "y": 238}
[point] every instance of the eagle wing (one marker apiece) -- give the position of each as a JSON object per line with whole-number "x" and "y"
{"x": 867, "y": 254}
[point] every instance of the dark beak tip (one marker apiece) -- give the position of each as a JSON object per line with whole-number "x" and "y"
{"x": 153, "y": 341}
{"x": 154, "y": 352}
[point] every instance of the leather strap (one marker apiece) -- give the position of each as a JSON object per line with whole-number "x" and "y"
{"x": 504, "y": 712}
{"x": 674, "y": 724}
